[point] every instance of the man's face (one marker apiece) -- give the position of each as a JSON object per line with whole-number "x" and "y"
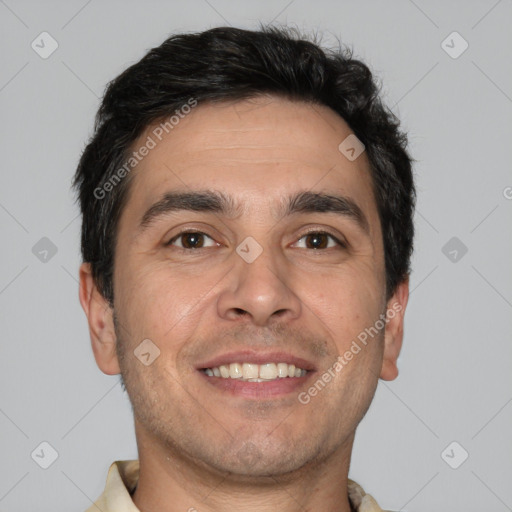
{"x": 210, "y": 299}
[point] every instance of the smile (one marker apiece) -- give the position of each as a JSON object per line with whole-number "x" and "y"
{"x": 251, "y": 372}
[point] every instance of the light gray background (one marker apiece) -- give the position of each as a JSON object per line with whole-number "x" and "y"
{"x": 455, "y": 379}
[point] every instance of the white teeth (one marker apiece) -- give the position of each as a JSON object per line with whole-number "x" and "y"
{"x": 282, "y": 370}
{"x": 255, "y": 372}
{"x": 235, "y": 371}
{"x": 268, "y": 371}
{"x": 250, "y": 371}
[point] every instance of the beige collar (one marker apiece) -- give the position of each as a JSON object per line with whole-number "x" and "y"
{"x": 123, "y": 476}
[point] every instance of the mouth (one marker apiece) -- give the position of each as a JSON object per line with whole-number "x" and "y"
{"x": 251, "y": 372}
{"x": 254, "y": 375}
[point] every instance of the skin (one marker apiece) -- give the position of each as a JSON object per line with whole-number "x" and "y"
{"x": 200, "y": 446}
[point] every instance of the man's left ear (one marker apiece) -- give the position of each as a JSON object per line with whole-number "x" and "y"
{"x": 394, "y": 330}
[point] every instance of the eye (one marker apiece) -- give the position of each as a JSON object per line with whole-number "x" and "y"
{"x": 190, "y": 240}
{"x": 320, "y": 240}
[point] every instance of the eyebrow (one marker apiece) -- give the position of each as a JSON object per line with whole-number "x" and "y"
{"x": 213, "y": 201}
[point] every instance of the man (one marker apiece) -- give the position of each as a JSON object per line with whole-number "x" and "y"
{"x": 247, "y": 209}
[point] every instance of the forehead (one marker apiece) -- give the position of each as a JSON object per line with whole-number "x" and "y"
{"x": 254, "y": 150}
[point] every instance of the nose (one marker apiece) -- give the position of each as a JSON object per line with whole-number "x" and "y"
{"x": 259, "y": 290}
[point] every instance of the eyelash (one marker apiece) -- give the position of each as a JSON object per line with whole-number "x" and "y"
{"x": 340, "y": 243}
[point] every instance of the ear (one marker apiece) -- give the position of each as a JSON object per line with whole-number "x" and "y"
{"x": 394, "y": 330}
{"x": 101, "y": 322}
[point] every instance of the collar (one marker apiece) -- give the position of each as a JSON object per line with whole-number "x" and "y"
{"x": 123, "y": 476}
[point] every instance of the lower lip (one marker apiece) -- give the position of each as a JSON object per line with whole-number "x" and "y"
{"x": 271, "y": 388}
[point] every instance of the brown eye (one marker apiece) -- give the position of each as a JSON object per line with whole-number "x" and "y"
{"x": 320, "y": 240}
{"x": 189, "y": 240}
{"x": 317, "y": 241}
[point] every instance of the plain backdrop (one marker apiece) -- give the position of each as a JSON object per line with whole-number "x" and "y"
{"x": 455, "y": 383}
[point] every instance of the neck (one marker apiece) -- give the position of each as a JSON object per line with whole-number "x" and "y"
{"x": 169, "y": 482}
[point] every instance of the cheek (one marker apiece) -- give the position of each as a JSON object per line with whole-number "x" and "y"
{"x": 347, "y": 302}
{"x": 165, "y": 304}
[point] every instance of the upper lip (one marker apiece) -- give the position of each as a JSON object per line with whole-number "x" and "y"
{"x": 254, "y": 357}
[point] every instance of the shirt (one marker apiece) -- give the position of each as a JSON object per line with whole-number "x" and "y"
{"x": 123, "y": 476}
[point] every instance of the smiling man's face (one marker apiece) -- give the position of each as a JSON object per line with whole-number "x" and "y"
{"x": 283, "y": 263}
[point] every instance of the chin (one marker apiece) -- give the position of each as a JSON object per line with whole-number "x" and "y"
{"x": 250, "y": 460}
